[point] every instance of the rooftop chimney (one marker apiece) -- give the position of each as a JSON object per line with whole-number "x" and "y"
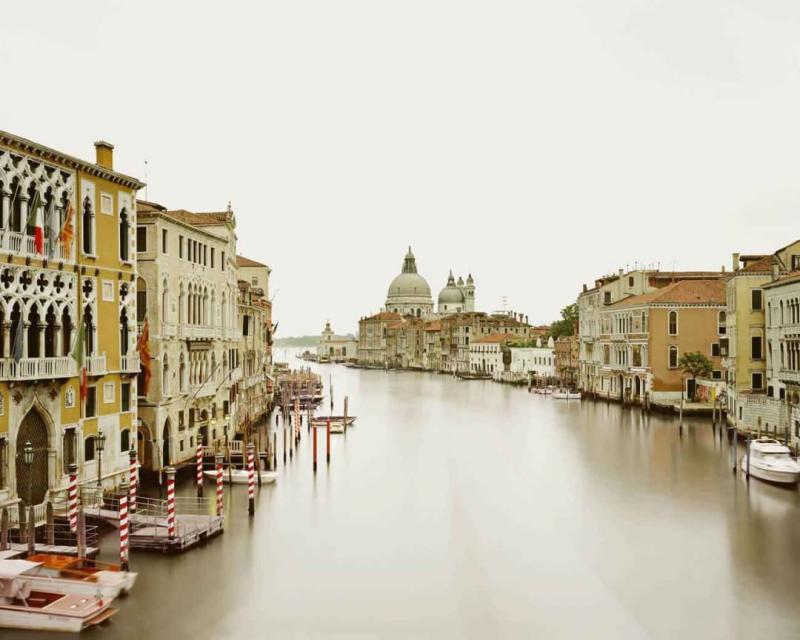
{"x": 735, "y": 261}
{"x": 104, "y": 154}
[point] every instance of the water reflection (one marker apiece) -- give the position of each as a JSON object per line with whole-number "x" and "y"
{"x": 470, "y": 509}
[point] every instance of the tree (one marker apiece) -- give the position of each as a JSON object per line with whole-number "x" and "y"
{"x": 568, "y": 323}
{"x": 696, "y": 365}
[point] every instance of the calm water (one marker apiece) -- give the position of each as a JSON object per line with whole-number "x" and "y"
{"x": 472, "y": 509}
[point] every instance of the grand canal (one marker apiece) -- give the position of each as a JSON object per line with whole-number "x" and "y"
{"x": 472, "y": 509}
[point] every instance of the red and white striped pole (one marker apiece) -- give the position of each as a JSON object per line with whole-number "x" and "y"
{"x": 219, "y": 459}
{"x": 123, "y": 532}
{"x": 133, "y": 481}
{"x": 72, "y": 498}
{"x": 199, "y": 466}
{"x": 170, "y": 471}
{"x": 251, "y": 481}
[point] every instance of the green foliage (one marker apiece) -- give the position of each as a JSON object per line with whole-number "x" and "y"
{"x": 568, "y": 323}
{"x": 695, "y": 364}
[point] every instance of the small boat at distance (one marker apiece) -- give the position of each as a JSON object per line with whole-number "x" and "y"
{"x": 770, "y": 460}
{"x": 565, "y": 394}
{"x": 337, "y": 422}
{"x": 26, "y": 604}
{"x": 240, "y": 476}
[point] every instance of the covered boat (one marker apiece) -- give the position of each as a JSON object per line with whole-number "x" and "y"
{"x": 770, "y": 460}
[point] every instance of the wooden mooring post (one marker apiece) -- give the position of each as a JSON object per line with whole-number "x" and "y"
{"x": 345, "y": 413}
{"x": 72, "y": 498}
{"x": 31, "y": 531}
{"x": 315, "y": 449}
{"x": 251, "y": 480}
{"x": 4, "y": 529}
{"x": 50, "y": 526}
{"x": 328, "y": 441}
{"x": 220, "y": 494}
{"x": 133, "y": 480}
{"x": 123, "y": 533}
{"x": 199, "y": 465}
{"x": 81, "y": 533}
{"x": 170, "y": 471}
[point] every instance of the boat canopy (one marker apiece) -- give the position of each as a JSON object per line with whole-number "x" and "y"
{"x": 16, "y": 568}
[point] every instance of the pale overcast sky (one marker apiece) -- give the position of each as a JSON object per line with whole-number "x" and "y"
{"x": 535, "y": 144}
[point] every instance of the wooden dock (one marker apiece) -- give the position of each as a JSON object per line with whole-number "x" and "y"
{"x": 56, "y": 549}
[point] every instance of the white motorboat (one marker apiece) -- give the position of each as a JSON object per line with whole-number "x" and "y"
{"x": 82, "y": 576}
{"x": 25, "y": 604}
{"x": 240, "y": 476}
{"x": 770, "y": 460}
{"x": 566, "y": 395}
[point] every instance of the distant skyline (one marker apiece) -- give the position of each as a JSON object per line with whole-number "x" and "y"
{"x": 536, "y": 145}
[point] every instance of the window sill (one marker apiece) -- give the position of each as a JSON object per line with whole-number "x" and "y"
{"x": 91, "y": 256}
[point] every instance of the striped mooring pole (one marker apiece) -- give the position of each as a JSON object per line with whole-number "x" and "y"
{"x": 220, "y": 457}
{"x": 170, "y": 471}
{"x": 133, "y": 481}
{"x": 199, "y": 466}
{"x": 72, "y": 497}
{"x": 328, "y": 441}
{"x": 123, "y": 532}
{"x": 251, "y": 480}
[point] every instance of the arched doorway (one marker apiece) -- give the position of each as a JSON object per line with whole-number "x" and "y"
{"x": 143, "y": 449}
{"x": 637, "y": 387}
{"x": 33, "y": 480}
{"x": 621, "y": 387}
{"x": 165, "y": 451}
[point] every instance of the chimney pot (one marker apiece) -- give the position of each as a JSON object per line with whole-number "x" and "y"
{"x": 735, "y": 261}
{"x": 104, "y": 154}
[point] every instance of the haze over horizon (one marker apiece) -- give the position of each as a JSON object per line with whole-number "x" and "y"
{"x": 534, "y": 145}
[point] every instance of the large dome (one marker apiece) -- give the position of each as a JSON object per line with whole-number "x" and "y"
{"x": 408, "y": 284}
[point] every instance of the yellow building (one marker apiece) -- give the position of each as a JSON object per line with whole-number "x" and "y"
{"x": 745, "y": 350}
{"x": 81, "y": 278}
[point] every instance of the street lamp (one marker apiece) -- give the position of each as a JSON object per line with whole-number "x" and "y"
{"x": 214, "y": 431}
{"x": 100, "y": 444}
{"x": 27, "y": 458}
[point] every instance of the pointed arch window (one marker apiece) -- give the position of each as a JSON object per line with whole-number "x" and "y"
{"x": 673, "y": 323}
{"x": 124, "y": 236}
{"x": 87, "y": 227}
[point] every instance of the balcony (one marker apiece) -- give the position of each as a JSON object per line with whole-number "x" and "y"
{"x": 130, "y": 363}
{"x": 96, "y": 365}
{"x": 199, "y": 332}
{"x": 204, "y": 390}
{"x": 787, "y": 375}
{"x": 21, "y": 244}
{"x": 33, "y": 368}
{"x": 168, "y": 330}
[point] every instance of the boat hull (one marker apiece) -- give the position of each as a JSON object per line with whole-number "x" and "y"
{"x": 86, "y": 615}
{"x": 770, "y": 475}
{"x": 241, "y": 477}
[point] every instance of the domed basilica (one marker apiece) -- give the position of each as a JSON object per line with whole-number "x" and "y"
{"x": 409, "y": 293}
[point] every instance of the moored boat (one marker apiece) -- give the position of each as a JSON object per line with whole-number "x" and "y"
{"x": 25, "y": 604}
{"x": 563, "y": 394}
{"x": 240, "y": 476}
{"x": 770, "y": 460}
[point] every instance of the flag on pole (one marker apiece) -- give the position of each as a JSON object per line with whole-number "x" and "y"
{"x": 78, "y": 352}
{"x": 143, "y": 348}
{"x": 18, "y": 343}
{"x": 67, "y": 231}
{"x": 35, "y": 220}
{"x": 52, "y": 230}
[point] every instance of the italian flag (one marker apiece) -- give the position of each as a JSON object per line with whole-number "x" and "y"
{"x": 38, "y": 231}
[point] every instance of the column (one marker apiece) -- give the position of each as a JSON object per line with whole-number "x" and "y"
{"x": 59, "y": 345}
{"x": 7, "y": 339}
{"x": 40, "y": 328}
{"x": 23, "y": 213}
{"x": 5, "y": 210}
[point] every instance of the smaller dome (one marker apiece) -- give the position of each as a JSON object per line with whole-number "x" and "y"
{"x": 451, "y": 294}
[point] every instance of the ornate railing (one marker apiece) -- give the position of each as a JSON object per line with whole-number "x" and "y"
{"x": 31, "y": 368}
{"x": 96, "y": 365}
{"x": 130, "y": 363}
{"x": 24, "y": 245}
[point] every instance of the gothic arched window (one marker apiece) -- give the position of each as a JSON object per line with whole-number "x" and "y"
{"x": 87, "y": 227}
{"x": 124, "y": 235}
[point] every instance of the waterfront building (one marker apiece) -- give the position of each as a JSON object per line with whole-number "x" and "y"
{"x": 782, "y": 301}
{"x": 68, "y": 291}
{"x": 486, "y": 354}
{"x": 432, "y": 345}
{"x": 252, "y": 395}
{"x": 372, "y": 331}
{"x": 187, "y": 291}
{"x": 642, "y": 338}
{"x": 745, "y": 348}
{"x": 567, "y": 354}
{"x": 537, "y": 361}
{"x": 608, "y": 290}
{"x": 337, "y": 348}
{"x": 458, "y": 330}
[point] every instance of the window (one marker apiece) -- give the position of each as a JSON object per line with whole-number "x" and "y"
{"x": 87, "y": 222}
{"x": 212, "y": 257}
{"x": 108, "y": 392}
{"x": 141, "y": 238}
{"x": 164, "y": 241}
{"x": 222, "y": 262}
{"x": 245, "y": 325}
{"x": 125, "y": 396}
{"x": 180, "y": 247}
{"x": 124, "y": 440}
{"x": 181, "y": 424}
{"x": 715, "y": 352}
{"x": 70, "y": 448}
{"x": 91, "y": 402}
{"x": 88, "y": 449}
{"x": 757, "y": 380}
{"x": 606, "y": 297}
{"x": 722, "y": 324}
{"x": 673, "y": 357}
{"x": 716, "y": 374}
{"x": 3, "y": 462}
{"x": 108, "y": 290}
{"x": 254, "y": 281}
{"x": 755, "y": 299}
{"x": 124, "y": 236}
{"x": 796, "y": 263}
{"x": 756, "y": 343}
{"x": 673, "y": 323}
{"x": 630, "y": 281}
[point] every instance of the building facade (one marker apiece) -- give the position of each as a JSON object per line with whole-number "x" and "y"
{"x": 68, "y": 297}
{"x": 187, "y": 292}
{"x": 336, "y": 348}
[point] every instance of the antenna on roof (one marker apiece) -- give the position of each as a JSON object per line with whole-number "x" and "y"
{"x": 145, "y": 181}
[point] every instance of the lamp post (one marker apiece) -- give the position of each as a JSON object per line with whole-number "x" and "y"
{"x": 100, "y": 443}
{"x": 27, "y": 458}
{"x": 213, "y": 425}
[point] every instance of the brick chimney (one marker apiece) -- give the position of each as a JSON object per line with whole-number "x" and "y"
{"x": 104, "y": 154}
{"x": 735, "y": 261}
